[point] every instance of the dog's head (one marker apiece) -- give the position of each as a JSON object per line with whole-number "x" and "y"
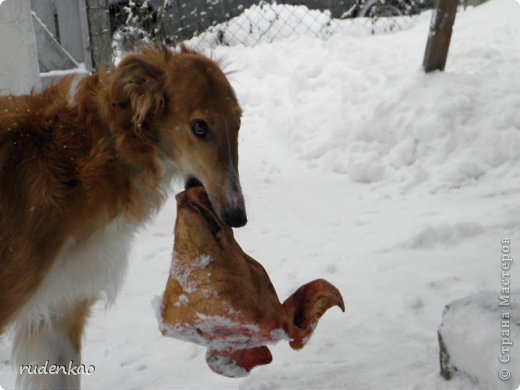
{"x": 185, "y": 106}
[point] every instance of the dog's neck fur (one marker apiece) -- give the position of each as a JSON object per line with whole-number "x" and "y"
{"x": 142, "y": 169}
{"x": 131, "y": 187}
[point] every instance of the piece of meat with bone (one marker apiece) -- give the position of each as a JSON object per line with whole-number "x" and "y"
{"x": 219, "y": 297}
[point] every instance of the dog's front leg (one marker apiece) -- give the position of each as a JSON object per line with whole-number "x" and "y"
{"x": 47, "y": 351}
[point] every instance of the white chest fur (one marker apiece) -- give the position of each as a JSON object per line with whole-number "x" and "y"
{"x": 91, "y": 268}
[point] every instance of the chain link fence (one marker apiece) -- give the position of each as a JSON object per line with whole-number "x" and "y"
{"x": 207, "y": 23}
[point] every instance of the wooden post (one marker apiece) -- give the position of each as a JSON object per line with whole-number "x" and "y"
{"x": 85, "y": 35}
{"x": 100, "y": 37}
{"x": 439, "y": 36}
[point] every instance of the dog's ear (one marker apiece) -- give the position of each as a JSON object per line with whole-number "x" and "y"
{"x": 137, "y": 86}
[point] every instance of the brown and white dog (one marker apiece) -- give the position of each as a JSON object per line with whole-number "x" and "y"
{"x": 82, "y": 166}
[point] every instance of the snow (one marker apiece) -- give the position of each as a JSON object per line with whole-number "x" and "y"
{"x": 470, "y": 332}
{"x": 394, "y": 185}
{"x": 268, "y": 22}
{"x": 80, "y": 70}
{"x": 210, "y": 326}
{"x": 224, "y": 365}
{"x": 202, "y": 261}
{"x": 182, "y": 275}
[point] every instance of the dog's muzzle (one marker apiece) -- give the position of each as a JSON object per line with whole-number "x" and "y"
{"x": 235, "y": 217}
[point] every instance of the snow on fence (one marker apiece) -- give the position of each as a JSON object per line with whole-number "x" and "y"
{"x": 207, "y": 23}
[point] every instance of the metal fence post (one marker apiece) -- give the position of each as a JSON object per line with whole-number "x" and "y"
{"x": 439, "y": 37}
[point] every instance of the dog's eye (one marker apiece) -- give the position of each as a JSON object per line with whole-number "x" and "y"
{"x": 200, "y": 128}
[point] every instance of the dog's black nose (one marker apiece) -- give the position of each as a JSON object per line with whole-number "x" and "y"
{"x": 235, "y": 217}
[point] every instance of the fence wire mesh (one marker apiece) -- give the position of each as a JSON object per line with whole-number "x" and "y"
{"x": 207, "y": 23}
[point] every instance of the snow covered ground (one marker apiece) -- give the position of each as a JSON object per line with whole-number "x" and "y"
{"x": 394, "y": 185}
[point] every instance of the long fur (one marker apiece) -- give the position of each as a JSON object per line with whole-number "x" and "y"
{"x": 82, "y": 166}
